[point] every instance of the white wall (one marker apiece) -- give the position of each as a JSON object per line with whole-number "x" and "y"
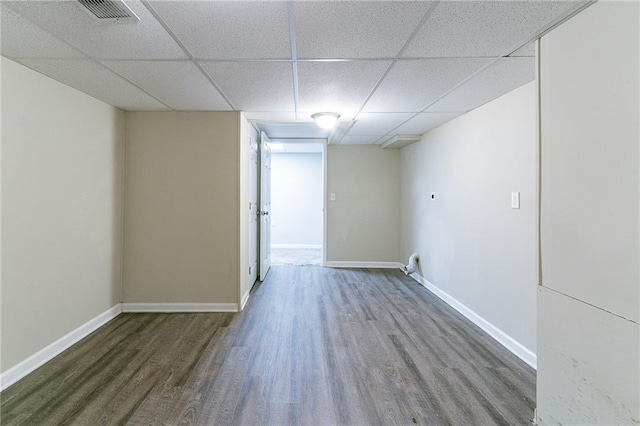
{"x": 589, "y": 301}
{"x": 61, "y": 210}
{"x": 296, "y": 199}
{"x": 182, "y": 207}
{"x": 363, "y": 223}
{"x": 472, "y": 244}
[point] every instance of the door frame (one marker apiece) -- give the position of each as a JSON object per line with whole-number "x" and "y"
{"x": 324, "y": 202}
{"x": 324, "y": 142}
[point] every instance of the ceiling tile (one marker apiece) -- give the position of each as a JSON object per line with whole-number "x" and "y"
{"x": 484, "y": 28}
{"x": 270, "y": 116}
{"x": 371, "y": 124}
{"x": 337, "y": 86}
{"x": 255, "y": 86}
{"x": 353, "y": 29}
{"x": 294, "y": 130}
{"x": 526, "y": 50}
{"x": 67, "y": 20}
{"x": 498, "y": 79}
{"x": 22, "y": 39}
{"x": 229, "y": 29}
{"x": 424, "y": 122}
{"x": 359, "y": 140}
{"x": 411, "y": 85}
{"x": 180, "y": 85}
{"x": 97, "y": 81}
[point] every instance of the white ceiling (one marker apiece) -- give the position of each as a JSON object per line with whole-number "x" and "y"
{"x": 388, "y": 67}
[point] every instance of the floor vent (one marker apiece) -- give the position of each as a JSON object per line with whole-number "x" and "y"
{"x": 110, "y": 11}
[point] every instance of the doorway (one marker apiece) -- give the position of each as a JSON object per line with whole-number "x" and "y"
{"x": 297, "y": 202}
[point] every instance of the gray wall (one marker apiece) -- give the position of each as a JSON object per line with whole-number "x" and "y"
{"x": 296, "y": 198}
{"x": 363, "y": 223}
{"x": 472, "y": 244}
{"x": 61, "y": 210}
{"x": 182, "y": 198}
{"x": 589, "y": 301}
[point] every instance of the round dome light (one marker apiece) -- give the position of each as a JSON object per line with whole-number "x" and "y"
{"x": 326, "y": 120}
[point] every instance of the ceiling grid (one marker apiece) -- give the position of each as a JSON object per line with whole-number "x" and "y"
{"x": 294, "y": 54}
{"x": 387, "y": 67}
{"x": 186, "y": 51}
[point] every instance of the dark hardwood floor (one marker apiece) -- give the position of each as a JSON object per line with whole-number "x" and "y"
{"x": 314, "y": 346}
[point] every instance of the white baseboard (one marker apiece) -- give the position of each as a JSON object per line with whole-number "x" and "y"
{"x": 179, "y": 307}
{"x": 500, "y": 336}
{"x": 245, "y": 299}
{"x": 296, "y": 246}
{"x": 44, "y": 355}
{"x": 382, "y": 265}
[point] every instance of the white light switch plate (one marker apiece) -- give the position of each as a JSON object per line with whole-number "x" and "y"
{"x": 332, "y": 197}
{"x": 515, "y": 200}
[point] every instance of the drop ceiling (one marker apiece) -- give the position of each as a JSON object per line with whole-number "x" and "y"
{"x": 388, "y": 67}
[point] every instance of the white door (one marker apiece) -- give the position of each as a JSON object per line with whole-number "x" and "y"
{"x": 254, "y": 207}
{"x": 265, "y": 206}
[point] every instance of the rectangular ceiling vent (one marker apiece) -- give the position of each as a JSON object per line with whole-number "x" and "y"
{"x": 110, "y": 11}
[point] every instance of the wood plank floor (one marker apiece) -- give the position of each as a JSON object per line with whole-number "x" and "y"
{"x": 314, "y": 346}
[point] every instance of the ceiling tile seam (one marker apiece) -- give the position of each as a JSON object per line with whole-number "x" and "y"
{"x": 97, "y": 58}
{"x": 418, "y": 27}
{"x": 310, "y": 60}
{"x": 242, "y": 60}
{"x": 375, "y": 87}
{"x": 88, "y": 57}
{"x": 470, "y": 77}
{"x": 134, "y": 84}
{"x": 391, "y": 132}
{"x": 413, "y": 34}
{"x": 383, "y": 58}
{"x": 336, "y": 137}
{"x": 45, "y": 58}
{"x": 92, "y": 96}
{"x": 294, "y": 54}
{"x": 549, "y": 26}
{"x": 186, "y": 51}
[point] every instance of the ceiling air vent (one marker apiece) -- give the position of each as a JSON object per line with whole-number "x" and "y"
{"x": 110, "y": 11}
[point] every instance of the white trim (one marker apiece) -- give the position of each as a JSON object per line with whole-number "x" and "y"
{"x": 44, "y": 355}
{"x": 325, "y": 155}
{"x": 381, "y": 265}
{"x": 179, "y": 307}
{"x": 296, "y": 246}
{"x": 500, "y": 336}
{"x": 245, "y": 299}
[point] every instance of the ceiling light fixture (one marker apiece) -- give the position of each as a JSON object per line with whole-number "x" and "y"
{"x": 326, "y": 120}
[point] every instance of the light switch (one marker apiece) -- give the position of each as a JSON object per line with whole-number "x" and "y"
{"x": 332, "y": 197}
{"x": 515, "y": 200}
{"x": 433, "y": 195}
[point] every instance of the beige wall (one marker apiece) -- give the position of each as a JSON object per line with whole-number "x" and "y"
{"x": 472, "y": 244}
{"x": 363, "y": 223}
{"x": 182, "y": 197}
{"x": 61, "y": 210}
{"x": 589, "y": 301}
